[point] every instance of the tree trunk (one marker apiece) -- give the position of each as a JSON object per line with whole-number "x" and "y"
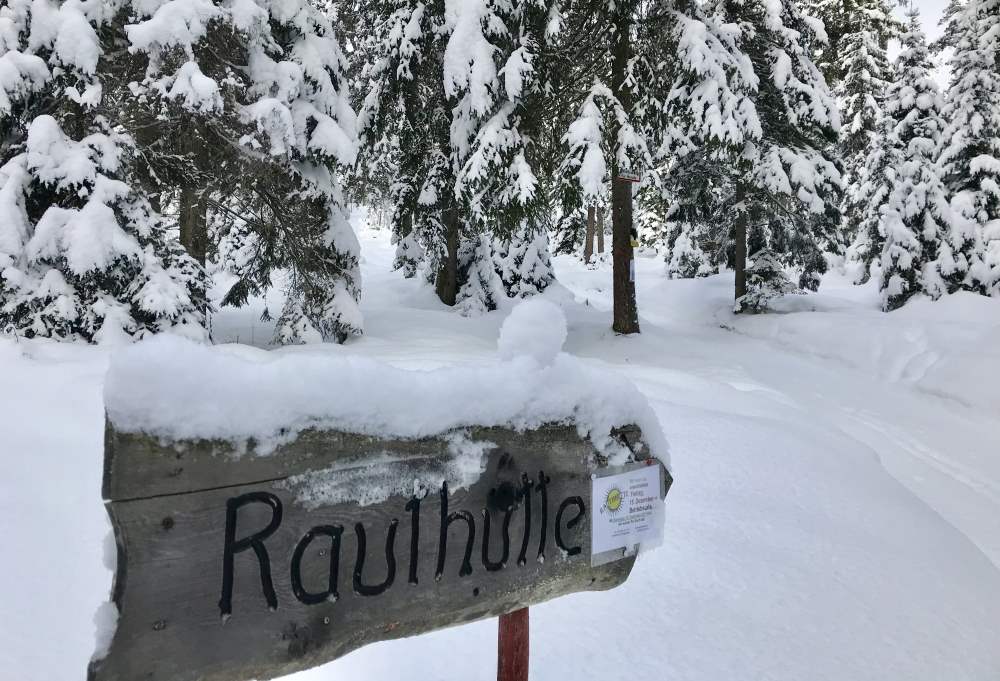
{"x": 194, "y": 222}
{"x": 446, "y": 283}
{"x": 740, "y": 241}
{"x": 626, "y": 314}
{"x": 588, "y": 241}
{"x": 600, "y": 229}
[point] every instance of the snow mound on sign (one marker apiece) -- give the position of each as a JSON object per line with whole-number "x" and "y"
{"x": 535, "y": 328}
{"x": 176, "y": 389}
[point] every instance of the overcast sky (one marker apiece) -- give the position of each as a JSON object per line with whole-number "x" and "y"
{"x": 930, "y": 15}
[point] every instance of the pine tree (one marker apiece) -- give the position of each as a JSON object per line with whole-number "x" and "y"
{"x": 869, "y": 192}
{"x": 970, "y": 150}
{"x": 843, "y": 22}
{"x": 482, "y": 288}
{"x": 455, "y": 111}
{"x": 405, "y": 120}
{"x": 865, "y": 76}
{"x": 916, "y": 220}
{"x": 751, "y": 111}
{"x": 686, "y": 259}
{"x": 523, "y": 263}
{"x": 84, "y": 253}
{"x": 766, "y": 280}
{"x": 950, "y": 29}
{"x": 243, "y": 110}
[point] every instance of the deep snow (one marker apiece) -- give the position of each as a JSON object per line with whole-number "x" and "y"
{"x": 175, "y": 388}
{"x": 835, "y": 513}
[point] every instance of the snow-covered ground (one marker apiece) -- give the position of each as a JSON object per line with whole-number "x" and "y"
{"x": 835, "y": 515}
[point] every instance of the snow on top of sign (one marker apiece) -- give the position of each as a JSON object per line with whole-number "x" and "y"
{"x": 175, "y": 389}
{"x": 535, "y": 328}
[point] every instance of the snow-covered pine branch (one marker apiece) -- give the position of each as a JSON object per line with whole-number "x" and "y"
{"x": 84, "y": 253}
{"x": 252, "y": 98}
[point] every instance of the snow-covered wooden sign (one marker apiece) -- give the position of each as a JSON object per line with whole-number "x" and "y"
{"x": 252, "y": 567}
{"x": 273, "y": 511}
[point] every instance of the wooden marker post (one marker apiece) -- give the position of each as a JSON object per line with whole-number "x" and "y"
{"x": 512, "y": 646}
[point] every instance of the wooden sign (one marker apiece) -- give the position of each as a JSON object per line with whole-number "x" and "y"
{"x": 236, "y": 566}
{"x": 629, "y": 176}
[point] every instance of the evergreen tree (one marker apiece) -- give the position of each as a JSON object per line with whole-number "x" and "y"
{"x": 970, "y": 150}
{"x": 607, "y": 139}
{"x": 482, "y": 288}
{"x": 84, "y": 253}
{"x": 405, "y": 121}
{"x": 843, "y": 21}
{"x": 523, "y": 263}
{"x": 865, "y": 76}
{"x": 766, "y": 280}
{"x": 243, "y": 110}
{"x": 756, "y": 120}
{"x": 455, "y": 112}
{"x": 950, "y": 29}
{"x": 686, "y": 258}
{"x": 869, "y": 192}
{"x": 916, "y": 220}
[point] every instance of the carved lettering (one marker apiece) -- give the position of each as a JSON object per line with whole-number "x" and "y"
{"x": 334, "y": 532}
{"x": 254, "y": 541}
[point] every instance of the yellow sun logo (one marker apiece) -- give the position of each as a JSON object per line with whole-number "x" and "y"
{"x": 613, "y": 500}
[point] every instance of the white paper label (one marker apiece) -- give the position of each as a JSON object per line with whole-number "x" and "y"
{"x": 628, "y": 509}
{"x": 631, "y": 270}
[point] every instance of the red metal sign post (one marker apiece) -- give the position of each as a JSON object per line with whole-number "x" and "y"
{"x": 512, "y": 646}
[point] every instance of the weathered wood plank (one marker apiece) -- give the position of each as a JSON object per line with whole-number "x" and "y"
{"x": 197, "y": 603}
{"x": 140, "y": 466}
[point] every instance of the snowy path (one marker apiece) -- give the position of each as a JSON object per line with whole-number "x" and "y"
{"x": 835, "y": 516}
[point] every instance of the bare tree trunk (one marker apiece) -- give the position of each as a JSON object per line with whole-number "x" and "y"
{"x": 588, "y": 241}
{"x": 446, "y": 283}
{"x": 626, "y": 313}
{"x": 194, "y": 222}
{"x": 740, "y": 240}
{"x": 600, "y": 229}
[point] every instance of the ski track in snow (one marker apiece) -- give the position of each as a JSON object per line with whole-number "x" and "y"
{"x": 835, "y": 515}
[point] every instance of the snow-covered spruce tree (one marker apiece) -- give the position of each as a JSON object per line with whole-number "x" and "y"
{"x": 523, "y": 263}
{"x": 750, "y": 104}
{"x": 481, "y": 287}
{"x": 698, "y": 242}
{"x": 766, "y": 280}
{"x": 405, "y": 121}
{"x": 494, "y": 71}
{"x": 917, "y": 223}
{"x": 866, "y": 75}
{"x": 686, "y": 258}
{"x": 949, "y": 26}
{"x": 243, "y": 108}
{"x": 500, "y": 81}
{"x": 84, "y": 254}
{"x": 843, "y": 21}
{"x": 867, "y": 194}
{"x": 970, "y": 148}
{"x": 454, "y": 91}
